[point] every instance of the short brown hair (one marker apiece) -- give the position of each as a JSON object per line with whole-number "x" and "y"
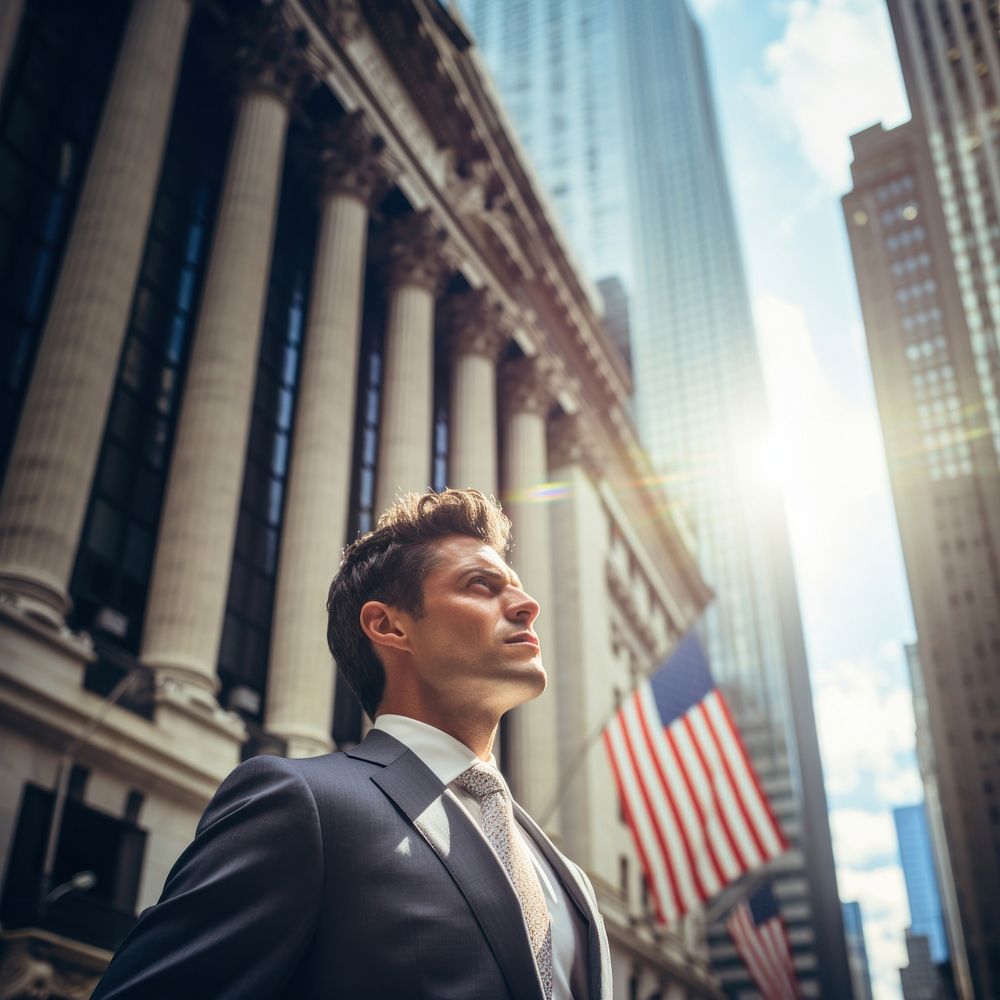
{"x": 390, "y": 564}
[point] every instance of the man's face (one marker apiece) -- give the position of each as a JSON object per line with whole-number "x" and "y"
{"x": 474, "y": 646}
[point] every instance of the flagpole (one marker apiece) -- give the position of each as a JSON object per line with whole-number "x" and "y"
{"x": 590, "y": 740}
{"x": 741, "y": 889}
{"x": 578, "y": 759}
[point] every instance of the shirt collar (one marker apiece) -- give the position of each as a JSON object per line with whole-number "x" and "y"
{"x": 443, "y": 754}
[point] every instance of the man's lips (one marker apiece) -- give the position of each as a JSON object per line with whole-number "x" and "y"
{"x": 528, "y": 637}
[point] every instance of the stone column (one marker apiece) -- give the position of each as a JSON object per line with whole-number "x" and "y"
{"x": 55, "y": 452}
{"x": 579, "y": 548}
{"x": 527, "y": 395}
{"x": 194, "y": 550}
{"x": 479, "y": 329}
{"x": 415, "y": 249}
{"x": 301, "y": 679}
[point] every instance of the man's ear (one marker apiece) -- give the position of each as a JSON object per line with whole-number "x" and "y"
{"x": 381, "y": 623}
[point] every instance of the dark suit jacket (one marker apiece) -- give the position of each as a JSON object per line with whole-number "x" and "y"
{"x": 351, "y": 875}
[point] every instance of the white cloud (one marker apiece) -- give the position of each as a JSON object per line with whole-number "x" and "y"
{"x": 882, "y": 895}
{"x": 702, "y": 8}
{"x": 833, "y": 72}
{"x": 900, "y": 788}
{"x": 862, "y": 838}
{"x": 864, "y": 718}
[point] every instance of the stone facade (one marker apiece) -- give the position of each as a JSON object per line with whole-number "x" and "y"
{"x": 442, "y": 326}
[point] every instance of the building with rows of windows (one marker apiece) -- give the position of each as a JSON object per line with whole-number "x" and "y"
{"x": 262, "y": 266}
{"x": 924, "y": 224}
{"x": 944, "y": 475}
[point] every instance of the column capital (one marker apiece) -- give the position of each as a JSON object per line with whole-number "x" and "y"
{"x": 528, "y": 385}
{"x": 469, "y": 183}
{"x": 572, "y": 442}
{"x": 477, "y": 322}
{"x": 348, "y": 157}
{"x": 343, "y": 19}
{"x": 269, "y": 51}
{"x": 415, "y": 249}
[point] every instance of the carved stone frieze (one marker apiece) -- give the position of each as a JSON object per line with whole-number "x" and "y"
{"x": 269, "y": 50}
{"x": 423, "y": 59}
{"x": 36, "y": 965}
{"x": 415, "y": 249}
{"x": 468, "y": 184}
{"x": 348, "y": 157}
{"x": 571, "y": 442}
{"x": 528, "y": 385}
{"x": 477, "y": 323}
{"x": 341, "y": 18}
{"x": 500, "y": 221}
{"x": 623, "y": 597}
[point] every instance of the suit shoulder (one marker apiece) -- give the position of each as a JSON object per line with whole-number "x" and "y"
{"x": 260, "y": 782}
{"x": 322, "y": 774}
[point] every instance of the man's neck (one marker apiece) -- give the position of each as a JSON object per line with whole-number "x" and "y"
{"x": 477, "y": 734}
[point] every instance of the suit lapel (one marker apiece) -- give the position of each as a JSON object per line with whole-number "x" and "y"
{"x": 451, "y": 833}
{"x": 579, "y": 892}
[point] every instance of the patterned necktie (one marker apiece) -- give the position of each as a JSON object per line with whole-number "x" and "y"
{"x": 484, "y": 783}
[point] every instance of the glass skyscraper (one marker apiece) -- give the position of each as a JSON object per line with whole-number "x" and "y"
{"x": 917, "y": 861}
{"x": 857, "y": 952}
{"x": 923, "y": 218}
{"x": 561, "y": 79}
{"x": 639, "y": 157}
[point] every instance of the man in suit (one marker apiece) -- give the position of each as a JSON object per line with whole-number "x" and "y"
{"x": 401, "y": 868}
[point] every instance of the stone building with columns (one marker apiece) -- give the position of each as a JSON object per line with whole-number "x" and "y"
{"x": 264, "y": 265}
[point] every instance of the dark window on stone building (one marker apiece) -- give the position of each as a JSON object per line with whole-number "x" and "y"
{"x": 52, "y": 99}
{"x": 347, "y": 711}
{"x": 246, "y": 634}
{"x": 442, "y": 397}
{"x": 89, "y": 841}
{"x": 111, "y": 576}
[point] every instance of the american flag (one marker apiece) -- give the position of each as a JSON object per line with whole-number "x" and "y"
{"x": 689, "y": 792}
{"x": 762, "y": 941}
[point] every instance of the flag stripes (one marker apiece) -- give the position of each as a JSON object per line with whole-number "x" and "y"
{"x": 696, "y": 810}
{"x": 762, "y": 942}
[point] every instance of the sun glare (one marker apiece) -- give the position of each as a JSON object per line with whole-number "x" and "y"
{"x": 775, "y": 465}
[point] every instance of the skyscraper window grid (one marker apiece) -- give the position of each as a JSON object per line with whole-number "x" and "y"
{"x": 943, "y": 467}
{"x": 576, "y": 139}
{"x": 955, "y": 90}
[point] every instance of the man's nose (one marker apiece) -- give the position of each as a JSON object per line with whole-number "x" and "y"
{"x": 523, "y": 607}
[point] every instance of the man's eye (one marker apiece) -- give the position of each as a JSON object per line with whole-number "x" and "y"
{"x": 482, "y": 580}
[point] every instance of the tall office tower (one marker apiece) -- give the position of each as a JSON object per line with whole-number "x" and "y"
{"x": 950, "y": 57}
{"x": 645, "y": 137}
{"x": 561, "y": 82}
{"x": 933, "y": 351}
{"x": 702, "y": 413}
{"x": 917, "y": 861}
{"x": 935, "y": 823}
{"x": 857, "y": 952}
{"x": 921, "y": 977}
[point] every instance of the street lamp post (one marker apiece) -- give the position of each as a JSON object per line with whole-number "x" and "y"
{"x": 63, "y": 776}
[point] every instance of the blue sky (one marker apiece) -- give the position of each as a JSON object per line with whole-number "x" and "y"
{"x": 793, "y": 79}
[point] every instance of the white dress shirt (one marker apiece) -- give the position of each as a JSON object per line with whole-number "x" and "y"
{"x": 448, "y": 758}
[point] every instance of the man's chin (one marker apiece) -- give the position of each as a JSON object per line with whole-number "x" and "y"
{"x": 533, "y": 680}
